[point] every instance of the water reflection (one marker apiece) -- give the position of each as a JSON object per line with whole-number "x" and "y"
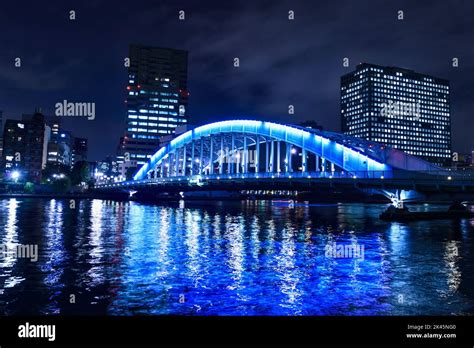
{"x": 9, "y": 242}
{"x": 230, "y": 258}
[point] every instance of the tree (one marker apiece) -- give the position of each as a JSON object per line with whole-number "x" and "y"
{"x": 311, "y": 124}
{"x": 52, "y": 169}
{"x": 29, "y": 187}
{"x": 130, "y": 173}
{"x": 80, "y": 173}
{"x": 61, "y": 185}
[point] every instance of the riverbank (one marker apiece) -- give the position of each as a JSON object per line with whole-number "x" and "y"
{"x": 85, "y": 195}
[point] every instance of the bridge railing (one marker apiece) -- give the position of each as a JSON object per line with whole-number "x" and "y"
{"x": 438, "y": 176}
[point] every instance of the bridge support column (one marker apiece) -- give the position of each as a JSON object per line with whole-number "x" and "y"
{"x": 176, "y": 162}
{"x": 267, "y": 150}
{"x": 257, "y": 153}
{"x": 278, "y": 156}
{"x": 192, "y": 159}
{"x": 201, "y": 153}
{"x": 237, "y": 161}
{"x": 288, "y": 158}
{"x": 170, "y": 164}
{"x": 232, "y": 154}
{"x": 303, "y": 160}
{"x": 316, "y": 162}
{"x": 244, "y": 156}
{"x": 221, "y": 156}
{"x": 211, "y": 157}
{"x": 272, "y": 154}
{"x": 184, "y": 161}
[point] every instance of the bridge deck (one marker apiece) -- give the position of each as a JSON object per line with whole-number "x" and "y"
{"x": 442, "y": 181}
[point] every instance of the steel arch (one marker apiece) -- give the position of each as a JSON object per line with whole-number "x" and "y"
{"x": 350, "y": 154}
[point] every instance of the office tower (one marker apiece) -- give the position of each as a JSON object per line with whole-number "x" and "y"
{"x": 157, "y": 99}
{"x": 79, "y": 150}
{"x": 60, "y": 141}
{"x": 60, "y": 148}
{"x": 400, "y": 108}
{"x": 25, "y": 145}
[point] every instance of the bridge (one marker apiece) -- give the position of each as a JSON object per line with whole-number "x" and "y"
{"x": 251, "y": 155}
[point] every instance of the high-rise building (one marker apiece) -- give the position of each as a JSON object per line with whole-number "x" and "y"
{"x": 79, "y": 150}
{"x": 59, "y": 144}
{"x": 400, "y": 108}
{"x": 25, "y": 145}
{"x": 60, "y": 148}
{"x": 156, "y": 102}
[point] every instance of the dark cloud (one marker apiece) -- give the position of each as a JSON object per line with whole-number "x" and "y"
{"x": 281, "y": 62}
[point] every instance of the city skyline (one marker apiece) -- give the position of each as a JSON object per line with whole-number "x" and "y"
{"x": 218, "y": 164}
{"x": 307, "y": 73}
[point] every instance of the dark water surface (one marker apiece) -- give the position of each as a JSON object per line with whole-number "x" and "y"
{"x": 231, "y": 258}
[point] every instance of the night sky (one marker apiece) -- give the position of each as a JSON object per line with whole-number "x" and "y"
{"x": 282, "y": 62}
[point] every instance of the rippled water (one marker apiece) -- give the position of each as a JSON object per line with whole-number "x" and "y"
{"x": 230, "y": 258}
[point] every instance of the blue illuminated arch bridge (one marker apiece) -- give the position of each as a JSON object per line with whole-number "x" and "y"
{"x": 253, "y": 155}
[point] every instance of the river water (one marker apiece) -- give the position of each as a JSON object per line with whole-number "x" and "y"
{"x": 230, "y": 258}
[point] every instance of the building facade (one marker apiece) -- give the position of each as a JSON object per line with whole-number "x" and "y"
{"x": 25, "y": 146}
{"x": 157, "y": 100}
{"x": 79, "y": 150}
{"x": 400, "y": 108}
{"x": 60, "y": 149}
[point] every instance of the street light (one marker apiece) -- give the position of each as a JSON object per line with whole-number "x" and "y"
{"x": 15, "y": 175}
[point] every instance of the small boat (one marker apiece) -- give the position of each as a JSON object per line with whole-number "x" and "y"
{"x": 455, "y": 211}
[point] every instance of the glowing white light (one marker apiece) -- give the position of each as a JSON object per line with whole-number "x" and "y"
{"x": 15, "y": 175}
